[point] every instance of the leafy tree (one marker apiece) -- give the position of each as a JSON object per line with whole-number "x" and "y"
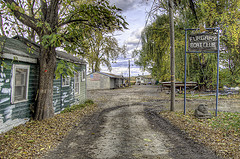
{"x": 97, "y": 47}
{"x": 155, "y": 48}
{"x": 200, "y": 67}
{"x": 57, "y": 22}
{"x": 102, "y": 49}
{"x": 155, "y": 40}
{"x": 226, "y": 15}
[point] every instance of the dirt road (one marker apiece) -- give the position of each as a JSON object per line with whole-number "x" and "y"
{"x": 128, "y": 126}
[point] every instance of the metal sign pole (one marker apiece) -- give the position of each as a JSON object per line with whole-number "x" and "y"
{"x": 193, "y": 51}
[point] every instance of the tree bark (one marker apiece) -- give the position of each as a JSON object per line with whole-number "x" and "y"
{"x": 47, "y": 64}
{"x": 44, "y": 108}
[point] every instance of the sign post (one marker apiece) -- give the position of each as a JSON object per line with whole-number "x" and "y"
{"x": 202, "y": 43}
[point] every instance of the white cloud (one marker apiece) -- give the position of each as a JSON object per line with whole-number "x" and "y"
{"x": 125, "y": 72}
{"x": 134, "y": 12}
{"x": 134, "y": 38}
{"x": 127, "y": 4}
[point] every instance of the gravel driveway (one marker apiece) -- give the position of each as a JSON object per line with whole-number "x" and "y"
{"x": 128, "y": 126}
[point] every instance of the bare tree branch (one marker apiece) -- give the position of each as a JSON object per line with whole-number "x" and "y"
{"x": 25, "y": 19}
{"x": 192, "y": 7}
{"x": 44, "y": 9}
{"x": 72, "y": 21}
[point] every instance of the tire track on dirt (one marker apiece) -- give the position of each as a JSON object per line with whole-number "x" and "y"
{"x": 127, "y": 126}
{"x": 127, "y": 135}
{"x": 184, "y": 147}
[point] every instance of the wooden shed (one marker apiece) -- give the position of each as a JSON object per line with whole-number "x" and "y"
{"x": 102, "y": 80}
{"x": 19, "y": 81}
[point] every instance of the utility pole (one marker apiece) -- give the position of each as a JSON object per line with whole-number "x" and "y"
{"x": 172, "y": 55}
{"x": 129, "y": 84}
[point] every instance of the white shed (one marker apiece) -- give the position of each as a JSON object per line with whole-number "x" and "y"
{"x": 101, "y": 80}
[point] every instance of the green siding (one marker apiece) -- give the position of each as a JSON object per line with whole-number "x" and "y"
{"x": 15, "y": 113}
{"x": 62, "y": 96}
{"x": 10, "y": 111}
{"x": 57, "y": 95}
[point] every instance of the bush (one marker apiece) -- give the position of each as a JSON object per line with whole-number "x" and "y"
{"x": 89, "y": 102}
{"x": 67, "y": 109}
{"x": 132, "y": 83}
{"x": 77, "y": 106}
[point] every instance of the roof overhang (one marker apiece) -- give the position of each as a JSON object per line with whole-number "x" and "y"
{"x": 19, "y": 58}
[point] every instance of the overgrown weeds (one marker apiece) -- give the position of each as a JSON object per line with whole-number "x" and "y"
{"x": 221, "y": 133}
{"x": 77, "y": 106}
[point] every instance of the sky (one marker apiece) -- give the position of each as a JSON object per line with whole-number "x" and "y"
{"x": 135, "y": 13}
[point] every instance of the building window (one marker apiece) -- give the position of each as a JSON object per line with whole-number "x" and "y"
{"x": 20, "y": 80}
{"x": 83, "y": 75}
{"x": 66, "y": 81}
{"x": 77, "y": 83}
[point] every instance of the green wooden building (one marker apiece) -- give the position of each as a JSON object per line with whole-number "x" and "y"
{"x": 19, "y": 81}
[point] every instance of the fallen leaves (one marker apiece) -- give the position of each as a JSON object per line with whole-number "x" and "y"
{"x": 34, "y": 138}
{"x": 222, "y": 133}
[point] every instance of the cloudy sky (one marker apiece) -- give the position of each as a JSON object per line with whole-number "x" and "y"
{"x": 135, "y": 13}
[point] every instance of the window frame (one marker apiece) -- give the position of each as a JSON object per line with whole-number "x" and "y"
{"x": 66, "y": 78}
{"x": 13, "y": 82}
{"x": 83, "y": 75}
{"x": 78, "y": 82}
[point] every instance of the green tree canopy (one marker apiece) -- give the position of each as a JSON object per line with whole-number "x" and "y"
{"x": 102, "y": 49}
{"x": 201, "y": 68}
{"x": 56, "y": 23}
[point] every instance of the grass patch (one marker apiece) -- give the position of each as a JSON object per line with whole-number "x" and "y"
{"x": 77, "y": 106}
{"x": 89, "y": 101}
{"x": 221, "y": 133}
{"x": 227, "y": 122}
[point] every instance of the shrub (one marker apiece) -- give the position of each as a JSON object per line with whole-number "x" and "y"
{"x": 67, "y": 109}
{"x": 89, "y": 102}
{"x": 77, "y": 106}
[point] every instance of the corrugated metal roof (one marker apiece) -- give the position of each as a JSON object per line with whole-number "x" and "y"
{"x": 69, "y": 57}
{"x": 20, "y": 46}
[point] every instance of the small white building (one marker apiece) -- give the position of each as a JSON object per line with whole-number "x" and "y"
{"x": 101, "y": 80}
{"x": 145, "y": 80}
{"x": 139, "y": 80}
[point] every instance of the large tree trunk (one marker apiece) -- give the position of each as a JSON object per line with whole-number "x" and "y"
{"x": 44, "y": 108}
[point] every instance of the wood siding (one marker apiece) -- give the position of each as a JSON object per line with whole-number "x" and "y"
{"x": 99, "y": 81}
{"x": 62, "y": 96}
{"x": 9, "y": 111}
